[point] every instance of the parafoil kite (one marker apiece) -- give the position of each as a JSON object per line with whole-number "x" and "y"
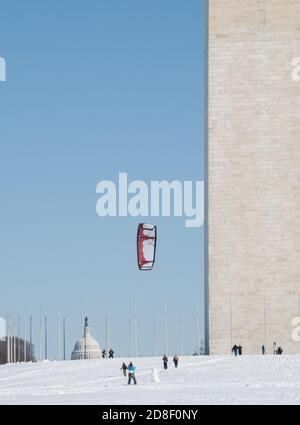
{"x": 146, "y": 246}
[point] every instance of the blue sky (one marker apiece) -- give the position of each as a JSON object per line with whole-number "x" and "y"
{"x": 93, "y": 89}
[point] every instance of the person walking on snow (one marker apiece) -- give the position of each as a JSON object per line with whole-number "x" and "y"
{"x": 124, "y": 369}
{"x": 131, "y": 373}
{"x": 263, "y": 350}
{"x": 279, "y": 351}
{"x": 175, "y": 360}
{"x": 240, "y": 350}
{"x": 274, "y": 348}
{"x": 235, "y": 350}
{"x": 165, "y": 360}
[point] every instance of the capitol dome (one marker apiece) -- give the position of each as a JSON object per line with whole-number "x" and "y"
{"x": 86, "y": 347}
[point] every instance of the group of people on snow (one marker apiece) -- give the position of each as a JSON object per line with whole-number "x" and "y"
{"x": 165, "y": 361}
{"x": 131, "y": 372}
{"x": 237, "y": 350}
{"x": 277, "y": 350}
{"x": 131, "y": 368}
{"x": 110, "y": 354}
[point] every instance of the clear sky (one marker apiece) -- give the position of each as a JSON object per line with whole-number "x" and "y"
{"x": 95, "y": 88}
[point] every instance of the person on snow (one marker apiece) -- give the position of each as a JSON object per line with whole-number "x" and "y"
{"x": 131, "y": 373}
{"x": 175, "y": 360}
{"x": 124, "y": 369}
{"x": 103, "y": 354}
{"x": 240, "y": 350}
{"x": 263, "y": 350}
{"x": 235, "y": 350}
{"x": 274, "y": 348}
{"x": 279, "y": 351}
{"x": 111, "y": 353}
{"x": 165, "y": 360}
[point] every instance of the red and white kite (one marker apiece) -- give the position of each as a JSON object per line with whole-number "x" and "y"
{"x": 146, "y": 246}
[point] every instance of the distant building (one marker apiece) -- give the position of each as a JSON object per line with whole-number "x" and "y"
{"x": 86, "y": 347}
{"x": 15, "y": 351}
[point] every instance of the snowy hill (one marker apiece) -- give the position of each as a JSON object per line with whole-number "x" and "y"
{"x": 198, "y": 380}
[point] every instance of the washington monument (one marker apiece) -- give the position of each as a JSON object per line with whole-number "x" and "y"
{"x": 253, "y": 169}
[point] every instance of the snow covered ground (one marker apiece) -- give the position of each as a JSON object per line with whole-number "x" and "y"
{"x": 198, "y": 380}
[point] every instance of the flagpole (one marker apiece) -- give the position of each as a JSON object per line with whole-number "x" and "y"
{"x": 64, "y": 337}
{"x": 46, "y": 341}
{"x": 11, "y": 337}
{"x": 40, "y": 336}
{"x": 25, "y": 338}
{"x": 7, "y": 339}
{"x": 58, "y": 329}
{"x": 15, "y": 347}
{"x": 30, "y": 338}
{"x": 198, "y": 331}
{"x": 107, "y": 331}
{"x": 19, "y": 340}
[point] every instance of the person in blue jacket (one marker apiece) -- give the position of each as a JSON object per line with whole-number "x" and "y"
{"x": 131, "y": 373}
